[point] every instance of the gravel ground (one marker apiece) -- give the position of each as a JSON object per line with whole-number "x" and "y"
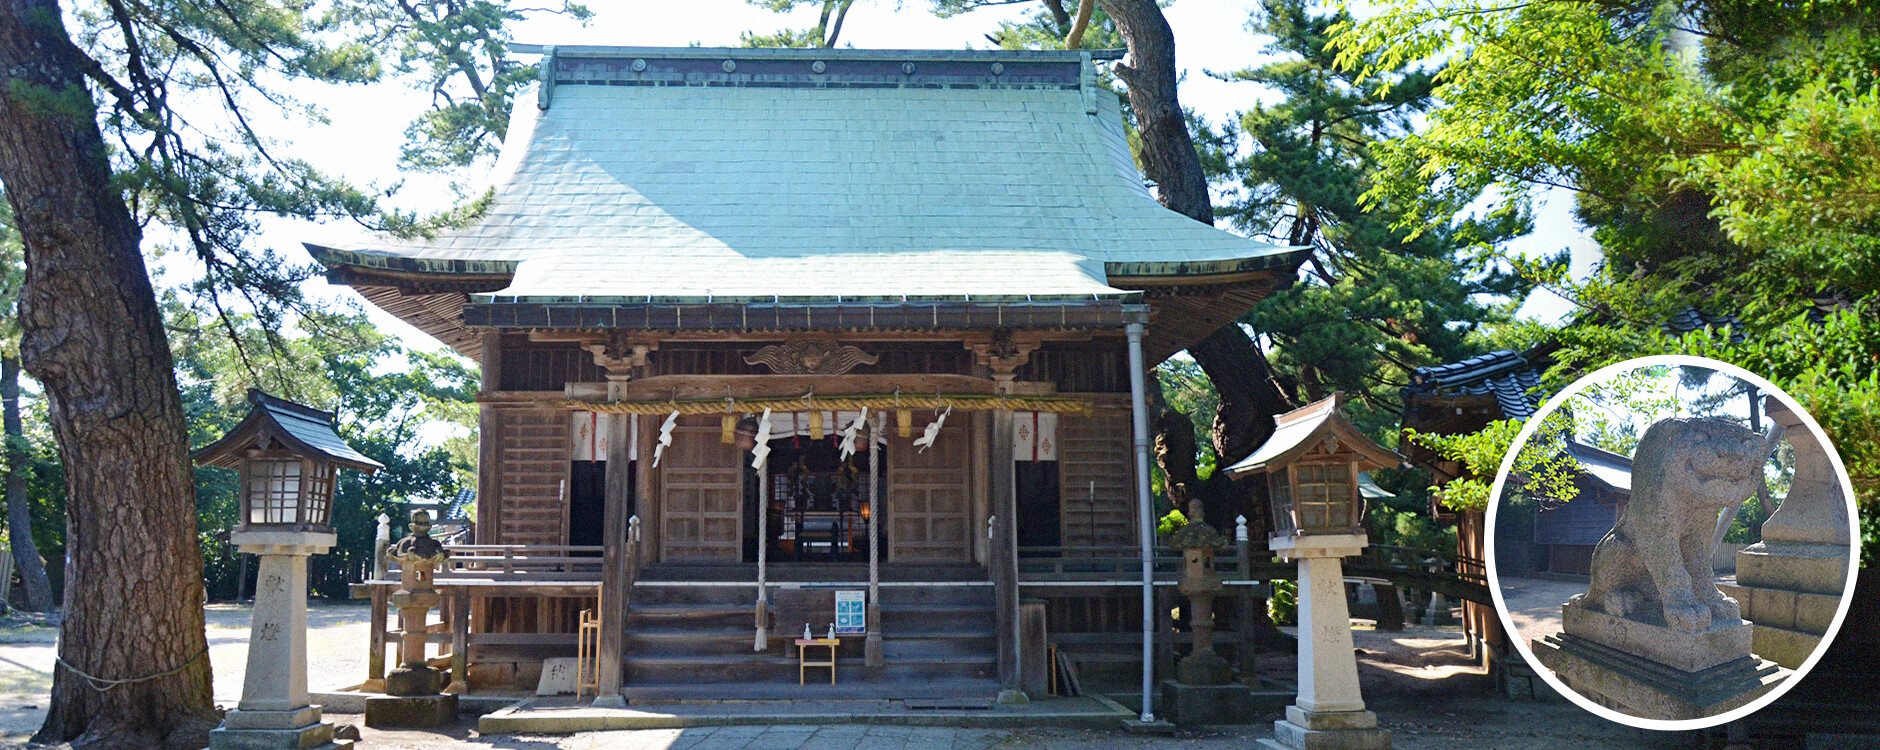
{"x": 1419, "y": 682}
{"x": 336, "y": 639}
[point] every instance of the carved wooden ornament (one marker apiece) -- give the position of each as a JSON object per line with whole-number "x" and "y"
{"x": 810, "y": 357}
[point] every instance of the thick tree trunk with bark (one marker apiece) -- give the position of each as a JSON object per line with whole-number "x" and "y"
{"x": 20, "y": 507}
{"x": 1236, "y": 367}
{"x": 1239, "y": 371}
{"x": 92, "y": 336}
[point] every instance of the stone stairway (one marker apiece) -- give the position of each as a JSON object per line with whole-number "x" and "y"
{"x": 690, "y": 635}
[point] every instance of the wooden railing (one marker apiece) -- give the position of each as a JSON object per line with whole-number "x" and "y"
{"x": 517, "y": 562}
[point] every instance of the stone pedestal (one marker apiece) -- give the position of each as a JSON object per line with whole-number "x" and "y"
{"x": 275, "y": 711}
{"x": 1655, "y": 672}
{"x": 1647, "y": 689}
{"x": 411, "y": 711}
{"x": 1329, "y": 712}
{"x": 1190, "y": 705}
{"x": 1332, "y": 730}
{"x": 1790, "y": 584}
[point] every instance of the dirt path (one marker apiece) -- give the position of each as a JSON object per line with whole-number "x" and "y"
{"x": 1420, "y": 682}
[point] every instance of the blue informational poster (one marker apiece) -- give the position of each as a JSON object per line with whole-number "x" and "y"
{"x": 851, "y": 612}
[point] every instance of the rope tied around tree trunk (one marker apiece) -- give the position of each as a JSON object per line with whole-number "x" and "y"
{"x": 94, "y": 681}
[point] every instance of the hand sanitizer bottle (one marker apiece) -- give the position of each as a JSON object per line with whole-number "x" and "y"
{"x": 806, "y": 635}
{"x": 832, "y": 631}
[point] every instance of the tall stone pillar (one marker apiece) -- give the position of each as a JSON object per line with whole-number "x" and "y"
{"x": 1790, "y": 584}
{"x": 1329, "y": 712}
{"x": 275, "y": 710}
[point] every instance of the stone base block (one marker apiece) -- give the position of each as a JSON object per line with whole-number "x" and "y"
{"x": 1676, "y": 649}
{"x": 316, "y": 736}
{"x": 1204, "y": 669}
{"x": 1647, "y": 689}
{"x": 1191, "y": 705}
{"x": 414, "y": 681}
{"x": 250, "y": 719}
{"x": 1327, "y": 730}
{"x": 1788, "y": 648}
{"x": 411, "y": 711}
{"x": 1811, "y": 568}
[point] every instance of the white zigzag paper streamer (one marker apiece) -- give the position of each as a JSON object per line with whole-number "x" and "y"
{"x": 926, "y": 438}
{"x": 665, "y": 436}
{"x": 760, "y": 453}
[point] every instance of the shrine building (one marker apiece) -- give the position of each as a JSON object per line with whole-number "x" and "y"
{"x": 939, "y": 273}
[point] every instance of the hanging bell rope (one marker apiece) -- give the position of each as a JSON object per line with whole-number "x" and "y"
{"x": 967, "y": 402}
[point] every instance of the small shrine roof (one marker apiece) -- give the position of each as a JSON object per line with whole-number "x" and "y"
{"x": 304, "y": 428}
{"x": 1296, "y": 432}
{"x": 1505, "y": 375}
{"x": 685, "y": 176}
{"x": 1609, "y": 469}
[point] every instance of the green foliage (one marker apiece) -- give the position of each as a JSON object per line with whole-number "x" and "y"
{"x": 1170, "y": 522}
{"x": 1402, "y": 528}
{"x": 208, "y": 173}
{"x": 1283, "y": 605}
{"x": 1376, "y": 300}
{"x": 1186, "y": 388}
{"x": 391, "y": 403}
{"x": 1722, "y": 151}
{"x": 1542, "y": 466}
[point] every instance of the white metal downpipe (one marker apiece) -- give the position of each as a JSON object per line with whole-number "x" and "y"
{"x": 1139, "y": 413}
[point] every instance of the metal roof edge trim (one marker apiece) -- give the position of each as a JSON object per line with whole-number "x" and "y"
{"x": 1280, "y": 257}
{"x": 772, "y": 53}
{"x": 335, "y": 258}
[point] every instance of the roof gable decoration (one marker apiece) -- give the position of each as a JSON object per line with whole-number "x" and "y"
{"x": 1317, "y": 430}
{"x": 275, "y": 421}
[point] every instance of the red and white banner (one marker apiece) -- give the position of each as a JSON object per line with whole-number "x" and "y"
{"x": 589, "y": 438}
{"x": 1034, "y": 436}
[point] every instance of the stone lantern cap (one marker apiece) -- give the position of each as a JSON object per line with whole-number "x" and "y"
{"x": 278, "y": 424}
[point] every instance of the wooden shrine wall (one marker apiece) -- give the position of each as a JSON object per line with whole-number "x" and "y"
{"x": 930, "y": 494}
{"x": 1096, "y": 449}
{"x": 701, "y": 488}
{"x": 532, "y": 455}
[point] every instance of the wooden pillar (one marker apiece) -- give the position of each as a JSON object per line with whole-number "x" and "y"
{"x": 489, "y": 446}
{"x": 459, "y": 641}
{"x": 615, "y": 567}
{"x": 1004, "y": 550}
{"x": 375, "y": 661}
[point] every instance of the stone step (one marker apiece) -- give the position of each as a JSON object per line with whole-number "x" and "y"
{"x": 850, "y": 685}
{"x": 776, "y": 669}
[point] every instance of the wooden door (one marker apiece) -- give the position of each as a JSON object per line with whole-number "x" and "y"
{"x": 929, "y": 506}
{"x": 702, "y": 493}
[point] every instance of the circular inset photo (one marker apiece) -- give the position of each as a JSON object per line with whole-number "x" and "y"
{"x": 1671, "y": 542}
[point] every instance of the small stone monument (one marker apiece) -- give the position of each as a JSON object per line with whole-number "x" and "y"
{"x": 1652, "y": 636}
{"x": 412, "y": 688}
{"x": 1790, "y": 584}
{"x": 1204, "y": 690}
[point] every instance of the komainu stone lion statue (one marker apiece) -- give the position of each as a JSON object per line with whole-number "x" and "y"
{"x": 1657, "y": 557}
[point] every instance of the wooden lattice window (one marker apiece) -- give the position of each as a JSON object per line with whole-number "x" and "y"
{"x": 271, "y": 490}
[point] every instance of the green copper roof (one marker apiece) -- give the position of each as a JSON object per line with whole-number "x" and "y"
{"x": 659, "y": 175}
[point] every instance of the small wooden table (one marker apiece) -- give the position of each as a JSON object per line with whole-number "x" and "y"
{"x": 803, "y": 663}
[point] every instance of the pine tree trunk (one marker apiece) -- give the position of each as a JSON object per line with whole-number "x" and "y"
{"x": 19, "y": 506}
{"x": 92, "y": 336}
{"x": 1236, "y": 367}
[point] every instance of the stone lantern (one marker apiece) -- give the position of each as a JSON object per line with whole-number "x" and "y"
{"x": 286, "y": 455}
{"x": 1310, "y": 467}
